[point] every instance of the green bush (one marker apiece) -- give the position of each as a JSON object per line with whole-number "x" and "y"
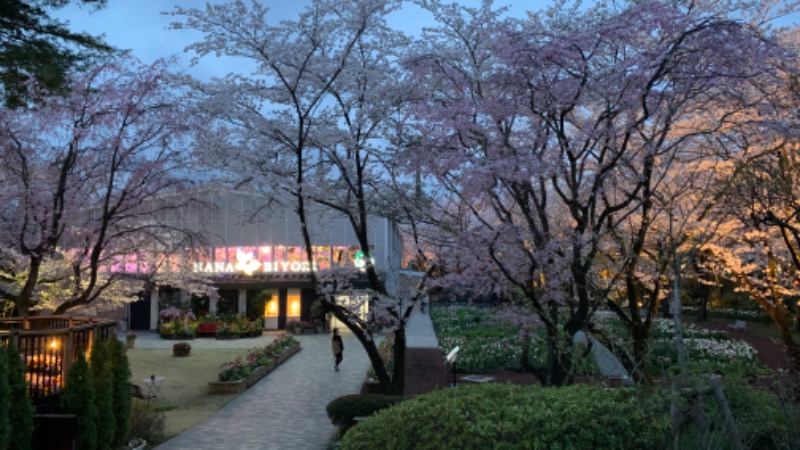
{"x": 121, "y": 396}
{"x": 146, "y": 423}
{"x": 78, "y": 398}
{"x": 102, "y": 379}
{"x": 501, "y": 416}
{"x": 764, "y": 422}
{"x": 5, "y": 423}
{"x": 181, "y": 349}
{"x": 21, "y": 414}
{"x": 343, "y": 409}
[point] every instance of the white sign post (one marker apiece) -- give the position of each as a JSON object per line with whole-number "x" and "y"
{"x": 451, "y": 359}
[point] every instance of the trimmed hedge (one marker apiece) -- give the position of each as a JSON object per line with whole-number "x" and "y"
{"x": 343, "y": 409}
{"x": 502, "y": 416}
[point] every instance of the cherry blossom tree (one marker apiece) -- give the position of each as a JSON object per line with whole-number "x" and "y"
{"x": 87, "y": 178}
{"x": 758, "y": 248}
{"x": 306, "y": 126}
{"x": 557, "y": 131}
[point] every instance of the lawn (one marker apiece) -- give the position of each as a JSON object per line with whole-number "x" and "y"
{"x": 186, "y": 401}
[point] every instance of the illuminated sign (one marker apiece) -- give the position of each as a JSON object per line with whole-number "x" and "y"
{"x": 246, "y": 263}
{"x": 360, "y": 262}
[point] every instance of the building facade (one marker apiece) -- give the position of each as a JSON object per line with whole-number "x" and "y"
{"x": 255, "y": 257}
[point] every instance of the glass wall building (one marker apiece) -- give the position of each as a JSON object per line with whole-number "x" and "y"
{"x": 249, "y": 251}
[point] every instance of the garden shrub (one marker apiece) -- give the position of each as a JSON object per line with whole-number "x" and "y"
{"x": 181, "y": 349}
{"x": 102, "y": 378}
{"x": 763, "y": 421}
{"x": 5, "y": 424}
{"x": 121, "y": 393}
{"x": 21, "y": 414}
{"x": 145, "y": 422}
{"x": 343, "y": 409}
{"x": 502, "y": 416}
{"x": 78, "y": 398}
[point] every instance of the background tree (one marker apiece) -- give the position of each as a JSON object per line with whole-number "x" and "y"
{"x": 33, "y": 45}
{"x": 556, "y": 131}
{"x": 303, "y": 125}
{"x": 88, "y": 179}
{"x": 758, "y": 247}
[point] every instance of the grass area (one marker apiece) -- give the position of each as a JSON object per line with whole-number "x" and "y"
{"x": 186, "y": 401}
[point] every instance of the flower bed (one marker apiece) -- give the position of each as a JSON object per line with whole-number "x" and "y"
{"x": 237, "y": 375}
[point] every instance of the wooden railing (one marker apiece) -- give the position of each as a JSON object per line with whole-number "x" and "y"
{"x": 49, "y": 345}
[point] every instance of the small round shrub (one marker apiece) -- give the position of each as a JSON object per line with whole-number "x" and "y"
{"x": 343, "y": 409}
{"x": 146, "y": 423}
{"x": 181, "y": 349}
{"x": 502, "y": 416}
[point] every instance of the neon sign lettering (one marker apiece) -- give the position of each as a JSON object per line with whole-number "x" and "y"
{"x": 247, "y": 264}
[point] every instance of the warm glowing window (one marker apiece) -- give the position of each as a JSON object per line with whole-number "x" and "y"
{"x": 271, "y": 305}
{"x": 293, "y": 302}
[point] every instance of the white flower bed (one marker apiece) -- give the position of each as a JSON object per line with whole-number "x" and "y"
{"x": 720, "y": 348}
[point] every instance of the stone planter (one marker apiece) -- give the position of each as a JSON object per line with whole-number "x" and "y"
{"x": 130, "y": 341}
{"x": 235, "y": 387}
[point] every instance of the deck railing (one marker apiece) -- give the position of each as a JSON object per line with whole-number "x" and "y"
{"x": 49, "y": 345}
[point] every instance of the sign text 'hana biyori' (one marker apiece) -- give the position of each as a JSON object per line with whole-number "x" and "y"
{"x": 249, "y": 265}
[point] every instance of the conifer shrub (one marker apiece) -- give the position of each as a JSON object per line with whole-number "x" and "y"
{"x": 120, "y": 393}
{"x": 78, "y": 398}
{"x": 20, "y": 413}
{"x": 5, "y": 423}
{"x": 101, "y": 375}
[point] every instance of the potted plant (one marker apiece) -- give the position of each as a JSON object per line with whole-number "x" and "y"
{"x": 130, "y": 339}
{"x": 227, "y": 331}
{"x": 293, "y": 326}
{"x": 181, "y": 349}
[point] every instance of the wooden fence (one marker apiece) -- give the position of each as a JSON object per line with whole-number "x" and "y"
{"x": 49, "y": 345}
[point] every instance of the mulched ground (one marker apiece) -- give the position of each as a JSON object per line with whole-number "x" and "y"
{"x": 770, "y": 353}
{"x": 426, "y": 369}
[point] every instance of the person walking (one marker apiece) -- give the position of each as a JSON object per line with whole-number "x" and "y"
{"x": 338, "y": 348}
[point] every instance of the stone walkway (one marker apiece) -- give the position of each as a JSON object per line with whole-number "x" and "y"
{"x": 285, "y": 410}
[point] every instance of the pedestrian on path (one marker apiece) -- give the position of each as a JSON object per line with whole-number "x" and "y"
{"x": 338, "y": 348}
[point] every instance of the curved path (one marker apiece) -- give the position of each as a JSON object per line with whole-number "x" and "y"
{"x": 285, "y": 410}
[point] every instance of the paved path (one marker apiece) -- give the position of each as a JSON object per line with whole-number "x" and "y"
{"x": 285, "y": 410}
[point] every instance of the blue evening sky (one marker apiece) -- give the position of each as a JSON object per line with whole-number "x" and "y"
{"x": 140, "y": 26}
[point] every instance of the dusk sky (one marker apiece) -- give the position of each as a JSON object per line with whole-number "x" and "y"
{"x": 140, "y": 26}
